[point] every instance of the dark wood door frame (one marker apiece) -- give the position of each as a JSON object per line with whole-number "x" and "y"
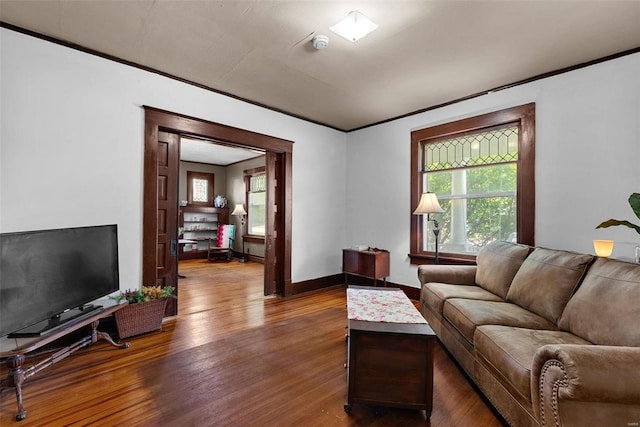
{"x": 167, "y": 148}
{"x": 157, "y": 120}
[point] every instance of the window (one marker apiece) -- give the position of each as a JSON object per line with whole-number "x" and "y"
{"x": 200, "y": 188}
{"x": 482, "y": 170}
{"x": 256, "y": 180}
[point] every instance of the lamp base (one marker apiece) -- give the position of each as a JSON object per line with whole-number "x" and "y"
{"x": 436, "y": 232}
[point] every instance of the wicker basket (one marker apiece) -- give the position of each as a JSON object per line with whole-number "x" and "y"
{"x": 140, "y": 318}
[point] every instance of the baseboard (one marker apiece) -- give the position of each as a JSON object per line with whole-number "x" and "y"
{"x": 315, "y": 284}
{"x": 410, "y": 291}
{"x": 254, "y": 258}
{"x": 339, "y": 279}
{"x": 248, "y": 257}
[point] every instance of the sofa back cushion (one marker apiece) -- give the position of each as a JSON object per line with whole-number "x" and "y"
{"x": 546, "y": 280}
{"x": 498, "y": 263}
{"x": 606, "y": 308}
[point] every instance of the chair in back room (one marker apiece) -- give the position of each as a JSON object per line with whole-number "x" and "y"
{"x": 221, "y": 249}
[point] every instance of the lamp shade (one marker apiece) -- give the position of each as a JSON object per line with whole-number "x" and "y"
{"x": 239, "y": 210}
{"x": 603, "y": 248}
{"x": 428, "y": 204}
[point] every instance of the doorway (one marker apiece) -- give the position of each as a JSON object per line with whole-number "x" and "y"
{"x": 160, "y": 197}
{"x": 224, "y": 177}
{"x": 215, "y": 179}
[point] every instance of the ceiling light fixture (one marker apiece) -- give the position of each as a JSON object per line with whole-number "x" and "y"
{"x": 354, "y": 27}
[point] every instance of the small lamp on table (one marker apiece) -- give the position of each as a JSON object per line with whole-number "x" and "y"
{"x": 603, "y": 248}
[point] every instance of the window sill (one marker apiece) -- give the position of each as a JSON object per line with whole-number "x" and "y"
{"x": 430, "y": 258}
{"x": 252, "y": 238}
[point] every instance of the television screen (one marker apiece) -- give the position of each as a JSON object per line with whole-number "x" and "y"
{"x": 43, "y": 273}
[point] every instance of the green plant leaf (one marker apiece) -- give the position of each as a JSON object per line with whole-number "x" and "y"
{"x": 634, "y": 201}
{"x": 615, "y": 222}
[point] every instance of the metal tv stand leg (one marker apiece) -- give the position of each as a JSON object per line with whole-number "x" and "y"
{"x": 17, "y": 375}
{"x": 16, "y": 378}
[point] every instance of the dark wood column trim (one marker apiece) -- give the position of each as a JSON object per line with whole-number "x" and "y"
{"x": 186, "y": 125}
{"x": 150, "y": 203}
{"x": 157, "y": 120}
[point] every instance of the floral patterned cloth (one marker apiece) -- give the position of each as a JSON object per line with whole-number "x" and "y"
{"x": 381, "y": 306}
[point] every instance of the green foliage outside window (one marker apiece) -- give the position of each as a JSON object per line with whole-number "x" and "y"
{"x": 483, "y": 202}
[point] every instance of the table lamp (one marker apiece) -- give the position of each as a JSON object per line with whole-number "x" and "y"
{"x": 603, "y": 248}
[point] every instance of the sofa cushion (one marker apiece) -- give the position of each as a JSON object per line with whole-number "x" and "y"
{"x": 465, "y": 315}
{"x": 509, "y": 352}
{"x": 606, "y": 308}
{"x": 433, "y": 295}
{"x": 546, "y": 280}
{"x": 498, "y": 263}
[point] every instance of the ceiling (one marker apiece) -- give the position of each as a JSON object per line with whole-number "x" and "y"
{"x": 210, "y": 152}
{"x": 424, "y": 53}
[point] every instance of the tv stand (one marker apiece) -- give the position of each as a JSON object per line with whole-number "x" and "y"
{"x": 14, "y": 349}
{"x": 56, "y": 322}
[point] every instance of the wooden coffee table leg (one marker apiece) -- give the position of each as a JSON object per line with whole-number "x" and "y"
{"x": 16, "y": 378}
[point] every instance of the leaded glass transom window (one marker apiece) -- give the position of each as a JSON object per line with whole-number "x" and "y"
{"x": 489, "y": 147}
{"x": 258, "y": 183}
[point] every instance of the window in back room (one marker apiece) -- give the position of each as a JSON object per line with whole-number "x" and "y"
{"x": 256, "y": 201}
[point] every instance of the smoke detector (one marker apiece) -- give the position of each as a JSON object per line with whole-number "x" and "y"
{"x": 320, "y": 42}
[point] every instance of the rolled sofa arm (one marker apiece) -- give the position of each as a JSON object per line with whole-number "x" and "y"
{"x": 575, "y": 384}
{"x": 453, "y": 274}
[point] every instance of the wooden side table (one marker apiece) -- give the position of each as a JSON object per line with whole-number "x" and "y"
{"x": 372, "y": 263}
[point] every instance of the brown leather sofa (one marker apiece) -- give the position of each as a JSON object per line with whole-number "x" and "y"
{"x": 552, "y": 338}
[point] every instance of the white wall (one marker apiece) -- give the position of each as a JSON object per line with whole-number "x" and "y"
{"x": 71, "y": 154}
{"x": 72, "y": 144}
{"x": 587, "y": 163}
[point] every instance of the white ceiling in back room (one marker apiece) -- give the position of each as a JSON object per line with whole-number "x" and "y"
{"x": 201, "y": 151}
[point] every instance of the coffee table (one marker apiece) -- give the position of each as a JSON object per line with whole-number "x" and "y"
{"x": 390, "y": 351}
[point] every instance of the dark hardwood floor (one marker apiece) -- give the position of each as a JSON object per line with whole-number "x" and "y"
{"x": 231, "y": 358}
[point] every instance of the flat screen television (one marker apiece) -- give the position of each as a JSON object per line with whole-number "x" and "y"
{"x": 46, "y": 273}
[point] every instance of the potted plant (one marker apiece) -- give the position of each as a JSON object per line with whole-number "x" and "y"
{"x": 145, "y": 310}
{"x": 634, "y": 202}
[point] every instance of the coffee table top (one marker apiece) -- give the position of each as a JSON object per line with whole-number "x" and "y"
{"x": 376, "y": 305}
{"x": 384, "y": 310}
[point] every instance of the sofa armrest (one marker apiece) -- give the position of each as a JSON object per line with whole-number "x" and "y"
{"x": 604, "y": 377}
{"x": 453, "y": 274}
